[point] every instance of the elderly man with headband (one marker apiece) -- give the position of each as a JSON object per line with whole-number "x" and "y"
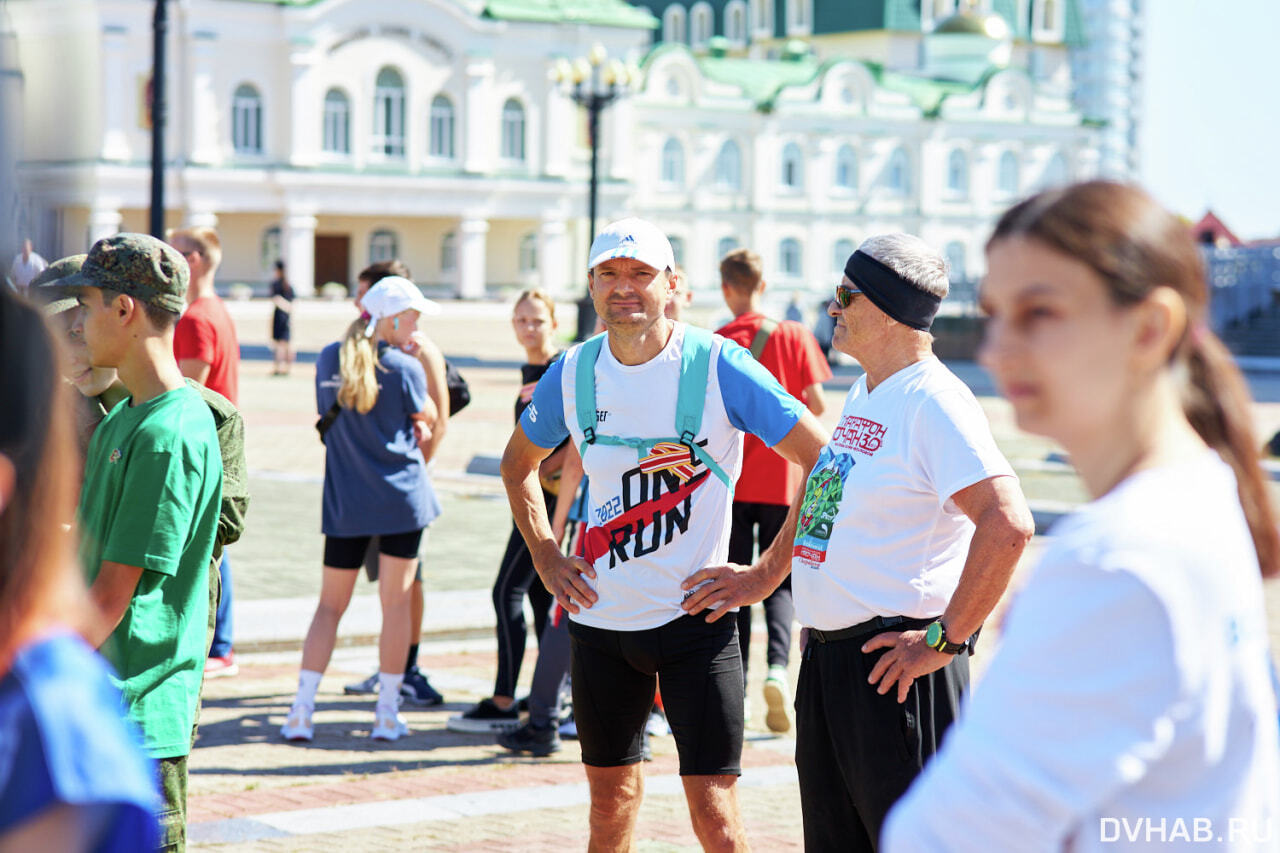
{"x": 910, "y": 525}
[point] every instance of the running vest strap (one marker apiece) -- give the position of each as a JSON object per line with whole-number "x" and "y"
{"x": 695, "y": 362}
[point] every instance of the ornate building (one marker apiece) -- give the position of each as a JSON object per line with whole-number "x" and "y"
{"x": 337, "y": 132}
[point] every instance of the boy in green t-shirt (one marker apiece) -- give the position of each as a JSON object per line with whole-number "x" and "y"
{"x": 149, "y": 507}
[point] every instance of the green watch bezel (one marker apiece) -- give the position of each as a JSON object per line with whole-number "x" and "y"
{"x": 935, "y": 637}
{"x": 933, "y": 634}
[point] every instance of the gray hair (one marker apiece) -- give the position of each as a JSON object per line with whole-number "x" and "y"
{"x": 912, "y": 258}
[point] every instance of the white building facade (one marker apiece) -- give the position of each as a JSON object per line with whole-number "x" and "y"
{"x": 334, "y": 133}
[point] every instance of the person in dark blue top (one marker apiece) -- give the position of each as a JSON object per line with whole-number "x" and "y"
{"x": 375, "y": 484}
{"x": 73, "y": 776}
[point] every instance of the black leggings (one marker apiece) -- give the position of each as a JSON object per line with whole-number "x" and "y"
{"x": 516, "y": 579}
{"x": 752, "y": 521}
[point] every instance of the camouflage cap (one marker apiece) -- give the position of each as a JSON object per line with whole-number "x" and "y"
{"x": 138, "y": 265}
{"x": 49, "y": 288}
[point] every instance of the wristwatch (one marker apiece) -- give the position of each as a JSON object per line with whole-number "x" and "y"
{"x": 935, "y": 637}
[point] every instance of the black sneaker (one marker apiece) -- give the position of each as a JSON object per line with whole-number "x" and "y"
{"x": 528, "y": 738}
{"x": 485, "y": 717}
{"x": 416, "y": 690}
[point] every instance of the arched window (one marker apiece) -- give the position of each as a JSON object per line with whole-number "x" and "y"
{"x": 673, "y": 163}
{"x": 246, "y": 120}
{"x": 789, "y": 257}
{"x": 954, "y": 253}
{"x": 512, "y": 130}
{"x": 673, "y": 24}
{"x": 1055, "y": 174}
{"x": 269, "y": 249}
{"x": 846, "y": 168}
{"x": 958, "y": 174}
{"x": 735, "y": 21}
{"x": 792, "y": 167}
{"x": 1009, "y": 182}
{"x": 388, "y": 113}
{"x": 897, "y": 174}
{"x": 529, "y": 253}
{"x": 677, "y": 248}
{"x": 449, "y": 252}
{"x": 799, "y": 16}
{"x": 762, "y": 18}
{"x": 383, "y": 246}
{"x": 337, "y": 123}
{"x": 441, "y": 128}
{"x": 840, "y": 253}
{"x": 701, "y": 27}
{"x": 725, "y": 246}
{"x": 1048, "y": 15}
{"x": 729, "y": 166}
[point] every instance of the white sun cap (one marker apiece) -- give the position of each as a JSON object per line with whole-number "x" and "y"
{"x": 632, "y": 238}
{"x": 392, "y": 295}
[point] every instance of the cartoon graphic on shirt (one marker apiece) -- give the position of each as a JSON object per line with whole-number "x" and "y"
{"x": 822, "y": 494}
{"x": 653, "y": 504}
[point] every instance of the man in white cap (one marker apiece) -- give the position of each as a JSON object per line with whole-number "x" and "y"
{"x": 657, "y": 408}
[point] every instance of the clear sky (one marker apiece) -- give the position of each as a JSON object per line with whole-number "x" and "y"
{"x": 1210, "y": 134}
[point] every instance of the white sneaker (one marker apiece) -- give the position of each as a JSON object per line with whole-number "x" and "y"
{"x": 299, "y": 725}
{"x": 388, "y": 725}
{"x": 777, "y": 698}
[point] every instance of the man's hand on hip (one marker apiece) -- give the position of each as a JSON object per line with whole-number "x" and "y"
{"x": 722, "y": 588}
{"x": 566, "y": 579}
{"x": 907, "y": 659}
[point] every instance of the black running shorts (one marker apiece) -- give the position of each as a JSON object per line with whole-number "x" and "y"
{"x": 347, "y": 552}
{"x": 615, "y": 674}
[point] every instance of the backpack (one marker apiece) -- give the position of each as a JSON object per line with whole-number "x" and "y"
{"x": 695, "y": 362}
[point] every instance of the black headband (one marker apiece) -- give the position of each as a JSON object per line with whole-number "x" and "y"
{"x": 891, "y": 293}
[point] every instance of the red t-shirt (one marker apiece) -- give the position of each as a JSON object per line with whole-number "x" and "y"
{"x": 793, "y": 356}
{"x": 205, "y": 331}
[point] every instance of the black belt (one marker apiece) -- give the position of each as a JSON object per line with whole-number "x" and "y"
{"x": 871, "y": 626}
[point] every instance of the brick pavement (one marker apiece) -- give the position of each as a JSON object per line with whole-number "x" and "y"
{"x": 437, "y": 790}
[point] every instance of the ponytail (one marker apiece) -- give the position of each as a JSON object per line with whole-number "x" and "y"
{"x": 1216, "y": 403}
{"x": 357, "y": 360}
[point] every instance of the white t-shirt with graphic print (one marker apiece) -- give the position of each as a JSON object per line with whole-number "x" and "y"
{"x": 652, "y": 522}
{"x": 878, "y": 533}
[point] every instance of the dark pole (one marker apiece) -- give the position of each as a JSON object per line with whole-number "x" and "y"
{"x": 160, "y": 29}
{"x": 593, "y": 130}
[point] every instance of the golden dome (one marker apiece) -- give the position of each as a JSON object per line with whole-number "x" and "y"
{"x": 971, "y": 23}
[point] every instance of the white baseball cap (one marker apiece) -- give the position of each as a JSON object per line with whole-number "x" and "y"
{"x": 632, "y": 238}
{"x": 392, "y": 295}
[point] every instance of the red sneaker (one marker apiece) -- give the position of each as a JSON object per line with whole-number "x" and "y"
{"x": 223, "y": 667}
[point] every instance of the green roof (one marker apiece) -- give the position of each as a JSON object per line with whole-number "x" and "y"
{"x": 759, "y": 79}
{"x": 609, "y": 13}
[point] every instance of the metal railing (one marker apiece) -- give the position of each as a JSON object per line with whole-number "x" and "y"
{"x": 1241, "y": 281}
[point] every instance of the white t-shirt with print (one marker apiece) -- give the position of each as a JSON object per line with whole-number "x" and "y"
{"x": 1130, "y": 703}
{"x": 878, "y": 532}
{"x": 654, "y": 521}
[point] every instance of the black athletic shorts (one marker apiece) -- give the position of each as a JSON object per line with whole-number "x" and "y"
{"x": 615, "y": 674}
{"x": 347, "y": 552}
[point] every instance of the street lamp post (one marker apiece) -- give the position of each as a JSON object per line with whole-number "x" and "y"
{"x": 593, "y": 82}
{"x": 159, "y": 116}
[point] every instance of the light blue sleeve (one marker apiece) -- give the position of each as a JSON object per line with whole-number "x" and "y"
{"x": 754, "y": 400}
{"x": 543, "y": 419}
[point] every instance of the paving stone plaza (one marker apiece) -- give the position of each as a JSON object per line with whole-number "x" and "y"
{"x": 439, "y": 790}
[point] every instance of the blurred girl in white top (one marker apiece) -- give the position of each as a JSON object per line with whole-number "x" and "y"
{"x": 1130, "y": 703}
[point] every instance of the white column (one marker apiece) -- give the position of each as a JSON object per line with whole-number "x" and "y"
{"x": 481, "y": 123}
{"x": 115, "y": 91}
{"x": 471, "y": 257}
{"x": 203, "y": 109}
{"x": 561, "y": 131}
{"x": 103, "y": 222}
{"x": 298, "y": 245}
{"x": 302, "y": 136}
{"x": 553, "y": 258}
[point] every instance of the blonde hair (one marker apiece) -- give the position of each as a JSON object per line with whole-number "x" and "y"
{"x": 206, "y": 242}
{"x": 538, "y": 296}
{"x": 357, "y": 363}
